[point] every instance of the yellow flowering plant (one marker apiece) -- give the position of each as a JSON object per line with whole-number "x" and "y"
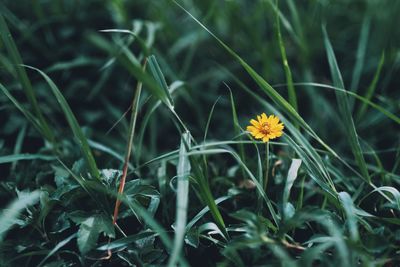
{"x": 265, "y": 127}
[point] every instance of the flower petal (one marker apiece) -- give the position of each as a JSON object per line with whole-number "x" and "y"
{"x": 255, "y": 123}
{"x": 264, "y": 118}
{"x": 260, "y": 135}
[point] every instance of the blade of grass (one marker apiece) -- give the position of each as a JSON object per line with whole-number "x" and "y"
{"x": 56, "y": 248}
{"x": 371, "y": 88}
{"x": 360, "y": 55}
{"x": 17, "y": 157}
{"x": 206, "y": 131}
{"x": 13, "y": 53}
{"x": 182, "y": 199}
{"x": 18, "y": 145}
{"x": 159, "y": 76}
{"x": 237, "y": 129}
{"x": 364, "y": 100}
{"x": 73, "y": 124}
{"x": 205, "y": 192}
{"x": 349, "y": 209}
{"x": 344, "y": 108}
{"x": 291, "y": 177}
{"x": 10, "y": 214}
{"x": 29, "y": 116}
{"x": 289, "y": 80}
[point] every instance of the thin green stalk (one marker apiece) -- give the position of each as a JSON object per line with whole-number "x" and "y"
{"x": 301, "y": 196}
{"x": 266, "y": 176}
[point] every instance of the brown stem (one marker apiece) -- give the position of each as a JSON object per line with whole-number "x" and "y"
{"x": 135, "y": 106}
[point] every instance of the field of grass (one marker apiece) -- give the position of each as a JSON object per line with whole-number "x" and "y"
{"x": 124, "y": 136}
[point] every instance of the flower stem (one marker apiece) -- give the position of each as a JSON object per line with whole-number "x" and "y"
{"x": 266, "y": 176}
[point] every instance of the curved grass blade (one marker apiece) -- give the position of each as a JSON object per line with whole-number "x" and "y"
{"x": 344, "y": 108}
{"x": 11, "y": 213}
{"x": 201, "y": 213}
{"x": 159, "y": 76}
{"x": 100, "y": 147}
{"x": 18, "y": 157}
{"x": 364, "y": 100}
{"x": 56, "y": 248}
{"x": 18, "y": 145}
{"x": 29, "y": 116}
{"x": 291, "y": 177}
{"x": 73, "y": 124}
{"x": 13, "y": 53}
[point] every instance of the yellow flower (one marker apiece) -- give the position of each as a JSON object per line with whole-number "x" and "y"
{"x": 265, "y": 128}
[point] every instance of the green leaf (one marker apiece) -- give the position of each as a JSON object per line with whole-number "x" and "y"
{"x": 88, "y": 234}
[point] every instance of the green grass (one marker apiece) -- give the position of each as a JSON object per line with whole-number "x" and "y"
{"x": 105, "y": 162}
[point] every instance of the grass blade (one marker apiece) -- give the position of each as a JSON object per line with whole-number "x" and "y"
{"x": 291, "y": 177}
{"x": 57, "y": 247}
{"x": 360, "y": 55}
{"x": 182, "y": 199}
{"x": 371, "y": 88}
{"x": 17, "y": 157}
{"x": 11, "y": 213}
{"x": 12, "y": 50}
{"x": 349, "y": 209}
{"x": 159, "y": 76}
{"x": 73, "y": 124}
{"x": 289, "y": 80}
{"x": 29, "y": 116}
{"x": 344, "y": 108}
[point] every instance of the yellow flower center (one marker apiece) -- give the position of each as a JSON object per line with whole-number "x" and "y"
{"x": 265, "y": 128}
